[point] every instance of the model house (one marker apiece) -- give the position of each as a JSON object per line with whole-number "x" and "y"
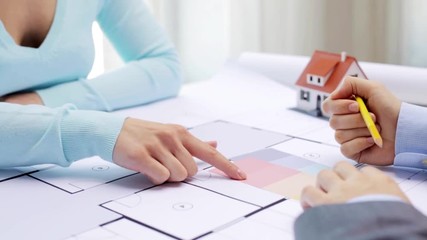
{"x": 323, "y": 74}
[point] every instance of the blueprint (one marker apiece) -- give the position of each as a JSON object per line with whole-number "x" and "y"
{"x": 95, "y": 199}
{"x": 280, "y": 149}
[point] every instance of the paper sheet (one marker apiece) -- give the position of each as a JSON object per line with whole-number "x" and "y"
{"x": 317, "y": 152}
{"x": 235, "y": 139}
{"x": 35, "y": 210}
{"x": 174, "y": 207}
{"x": 122, "y": 229}
{"x": 413, "y": 183}
{"x": 283, "y": 120}
{"x": 83, "y": 174}
{"x": 8, "y": 173}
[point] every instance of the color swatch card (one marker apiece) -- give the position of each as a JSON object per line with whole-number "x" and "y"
{"x": 181, "y": 210}
{"x": 240, "y": 190}
{"x": 281, "y": 174}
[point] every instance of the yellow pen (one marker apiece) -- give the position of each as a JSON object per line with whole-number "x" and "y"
{"x": 369, "y": 122}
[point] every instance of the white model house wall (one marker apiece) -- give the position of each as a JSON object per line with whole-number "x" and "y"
{"x": 310, "y": 100}
{"x": 318, "y": 80}
{"x": 355, "y": 71}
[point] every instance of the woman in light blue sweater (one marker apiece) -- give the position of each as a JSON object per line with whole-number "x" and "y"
{"x": 46, "y": 53}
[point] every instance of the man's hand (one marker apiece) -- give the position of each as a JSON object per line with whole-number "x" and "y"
{"x": 350, "y": 129}
{"x": 345, "y": 182}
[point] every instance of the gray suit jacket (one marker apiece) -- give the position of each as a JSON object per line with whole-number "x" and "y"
{"x": 364, "y": 220}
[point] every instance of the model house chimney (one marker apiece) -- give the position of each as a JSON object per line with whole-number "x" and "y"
{"x": 343, "y": 56}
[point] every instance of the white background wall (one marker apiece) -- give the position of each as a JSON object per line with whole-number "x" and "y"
{"x": 208, "y": 32}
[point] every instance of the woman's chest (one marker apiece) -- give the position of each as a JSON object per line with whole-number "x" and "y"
{"x": 27, "y": 22}
{"x": 66, "y": 54}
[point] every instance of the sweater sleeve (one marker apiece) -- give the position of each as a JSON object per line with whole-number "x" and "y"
{"x": 34, "y": 134}
{"x": 151, "y": 71}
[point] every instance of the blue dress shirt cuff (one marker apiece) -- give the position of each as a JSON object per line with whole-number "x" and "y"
{"x": 375, "y": 198}
{"x": 411, "y": 142}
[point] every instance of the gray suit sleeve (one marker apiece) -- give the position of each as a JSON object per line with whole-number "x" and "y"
{"x": 364, "y": 220}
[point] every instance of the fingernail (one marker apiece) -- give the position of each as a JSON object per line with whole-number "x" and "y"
{"x": 373, "y": 117}
{"x": 370, "y": 140}
{"x": 241, "y": 174}
{"x": 354, "y": 107}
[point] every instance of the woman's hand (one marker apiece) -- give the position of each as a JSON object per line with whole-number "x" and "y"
{"x": 23, "y": 98}
{"x": 164, "y": 152}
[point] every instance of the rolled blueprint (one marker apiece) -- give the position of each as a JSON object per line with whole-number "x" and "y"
{"x": 407, "y": 83}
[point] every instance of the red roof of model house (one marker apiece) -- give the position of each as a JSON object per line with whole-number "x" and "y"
{"x": 325, "y": 63}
